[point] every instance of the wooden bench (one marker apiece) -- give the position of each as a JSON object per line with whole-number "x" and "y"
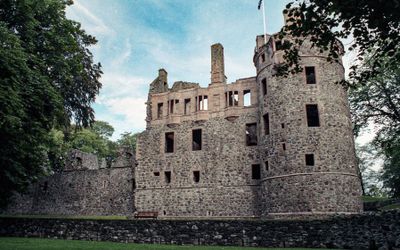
{"x": 146, "y": 214}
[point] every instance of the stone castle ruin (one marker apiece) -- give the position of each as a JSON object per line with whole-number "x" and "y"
{"x": 263, "y": 146}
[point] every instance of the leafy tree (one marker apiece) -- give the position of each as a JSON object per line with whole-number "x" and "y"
{"x": 47, "y": 79}
{"x": 377, "y": 102}
{"x": 103, "y": 129}
{"x": 372, "y": 25}
{"x": 128, "y": 139}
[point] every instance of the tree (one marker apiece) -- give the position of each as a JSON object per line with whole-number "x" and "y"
{"x": 47, "y": 79}
{"x": 128, "y": 139}
{"x": 372, "y": 25}
{"x": 377, "y": 102}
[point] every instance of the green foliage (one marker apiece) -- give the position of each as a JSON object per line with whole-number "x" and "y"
{"x": 372, "y": 25}
{"x": 50, "y": 244}
{"x": 377, "y": 102}
{"x": 128, "y": 139}
{"x": 47, "y": 79}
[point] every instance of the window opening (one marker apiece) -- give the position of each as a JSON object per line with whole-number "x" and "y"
{"x": 156, "y": 173}
{"x": 167, "y": 176}
{"x": 284, "y": 146}
{"x": 310, "y": 160}
{"x": 171, "y": 109}
{"x": 310, "y": 75}
{"x": 251, "y": 134}
{"x": 278, "y": 45}
{"x": 196, "y": 139}
{"x": 187, "y": 106}
{"x": 262, "y": 58}
{"x": 160, "y": 110}
{"x": 255, "y": 172}
{"x": 264, "y": 86}
{"x": 247, "y": 98}
{"x": 266, "y": 165}
{"x": 266, "y": 124}
{"x": 312, "y": 115}
{"x": 169, "y": 142}
{"x": 196, "y": 176}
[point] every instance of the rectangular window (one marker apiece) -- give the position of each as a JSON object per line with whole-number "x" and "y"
{"x": 278, "y": 45}
{"x": 251, "y": 134}
{"x": 262, "y": 58}
{"x": 264, "y": 86}
{"x": 203, "y": 103}
{"x": 310, "y": 75}
{"x": 156, "y": 173}
{"x": 187, "y": 106}
{"x": 312, "y": 115}
{"x": 284, "y": 146}
{"x": 169, "y": 142}
{"x": 247, "y": 98}
{"x": 255, "y": 172}
{"x": 235, "y": 98}
{"x": 160, "y": 110}
{"x": 167, "y": 175}
{"x": 266, "y": 124}
{"x": 196, "y": 104}
{"x": 266, "y": 166}
{"x": 310, "y": 160}
{"x": 171, "y": 106}
{"x": 196, "y": 176}
{"x": 196, "y": 139}
{"x": 282, "y": 125}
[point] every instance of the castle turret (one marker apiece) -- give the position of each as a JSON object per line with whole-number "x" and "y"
{"x": 217, "y": 64}
{"x": 306, "y": 146}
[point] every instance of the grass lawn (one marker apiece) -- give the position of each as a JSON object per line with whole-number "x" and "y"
{"x": 49, "y": 244}
{"x": 372, "y": 199}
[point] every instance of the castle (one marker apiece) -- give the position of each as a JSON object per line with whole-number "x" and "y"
{"x": 263, "y": 146}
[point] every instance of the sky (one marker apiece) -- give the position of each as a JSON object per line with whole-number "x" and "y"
{"x": 138, "y": 37}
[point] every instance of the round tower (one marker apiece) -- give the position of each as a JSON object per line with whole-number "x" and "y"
{"x": 307, "y": 144}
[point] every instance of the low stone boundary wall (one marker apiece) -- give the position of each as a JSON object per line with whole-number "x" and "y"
{"x": 368, "y": 231}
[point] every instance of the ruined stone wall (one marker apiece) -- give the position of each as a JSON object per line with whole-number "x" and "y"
{"x": 89, "y": 192}
{"x": 226, "y": 187}
{"x": 83, "y": 188}
{"x": 289, "y": 185}
{"x": 371, "y": 231}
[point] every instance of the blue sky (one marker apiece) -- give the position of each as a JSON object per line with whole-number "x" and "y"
{"x": 137, "y": 37}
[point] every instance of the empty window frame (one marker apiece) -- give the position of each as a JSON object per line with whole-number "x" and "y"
{"x": 255, "y": 172}
{"x": 156, "y": 173}
{"x": 247, "y": 98}
{"x": 310, "y": 75}
{"x": 251, "y": 134}
{"x": 266, "y": 124}
{"x": 266, "y": 166}
{"x": 196, "y": 139}
{"x": 262, "y": 58}
{"x": 310, "y": 160}
{"x": 202, "y": 103}
{"x": 167, "y": 175}
{"x": 278, "y": 45}
{"x": 160, "y": 107}
{"x": 232, "y": 98}
{"x": 284, "y": 146}
{"x": 187, "y": 107}
{"x": 196, "y": 176}
{"x": 171, "y": 106}
{"x": 312, "y": 115}
{"x": 264, "y": 86}
{"x": 169, "y": 142}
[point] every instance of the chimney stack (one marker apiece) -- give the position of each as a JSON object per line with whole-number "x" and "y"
{"x": 217, "y": 64}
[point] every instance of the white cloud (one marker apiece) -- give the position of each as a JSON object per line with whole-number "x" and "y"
{"x": 92, "y": 23}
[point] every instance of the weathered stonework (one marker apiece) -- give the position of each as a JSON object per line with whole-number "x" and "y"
{"x": 85, "y": 189}
{"x": 226, "y": 186}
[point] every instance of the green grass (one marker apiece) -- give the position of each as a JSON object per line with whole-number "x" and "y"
{"x": 112, "y": 217}
{"x": 372, "y": 199}
{"x": 50, "y": 244}
{"x": 390, "y": 207}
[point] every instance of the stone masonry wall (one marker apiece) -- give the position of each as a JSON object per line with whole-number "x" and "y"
{"x": 88, "y": 192}
{"x": 226, "y": 187}
{"x": 372, "y": 231}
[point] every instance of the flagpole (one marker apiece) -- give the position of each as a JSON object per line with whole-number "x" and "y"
{"x": 265, "y": 24}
